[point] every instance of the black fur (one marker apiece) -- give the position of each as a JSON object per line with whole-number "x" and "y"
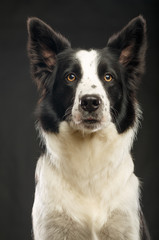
{"x": 129, "y": 46}
{"x": 59, "y": 94}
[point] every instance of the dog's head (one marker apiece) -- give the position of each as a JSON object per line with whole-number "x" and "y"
{"x": 87, "y": 88}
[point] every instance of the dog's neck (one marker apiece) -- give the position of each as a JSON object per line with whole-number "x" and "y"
{"x": 85, "y": 160}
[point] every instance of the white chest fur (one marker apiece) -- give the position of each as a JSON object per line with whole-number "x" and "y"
{"x": 87, "y": 176}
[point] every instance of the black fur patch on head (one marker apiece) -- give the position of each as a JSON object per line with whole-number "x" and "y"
{"x": 124, "y": 58}
{"x": 57, "y": 102}
{"x": 44, "y": 48}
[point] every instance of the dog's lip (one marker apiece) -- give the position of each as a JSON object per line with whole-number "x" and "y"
{"x": 91, "y": 120}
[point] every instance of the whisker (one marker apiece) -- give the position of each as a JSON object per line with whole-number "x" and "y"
{"x": 68, "y": 111}
{"x": 115, "y": 114}
{"x": 67, "y": 114}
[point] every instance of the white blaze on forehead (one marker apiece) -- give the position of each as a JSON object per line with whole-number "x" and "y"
{"x": 88, "y": 61}
{"x": 89, "y": 64}
{"x": 89, "y": 84}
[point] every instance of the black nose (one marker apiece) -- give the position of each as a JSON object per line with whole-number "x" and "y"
{"x": 90, "y": 103}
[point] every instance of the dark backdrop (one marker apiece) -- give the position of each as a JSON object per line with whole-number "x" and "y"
{"x": 87, "y": 24}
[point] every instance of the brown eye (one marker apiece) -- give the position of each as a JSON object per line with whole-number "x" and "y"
{"x": 71, "y": 77}
{"x": 108, "y": 77}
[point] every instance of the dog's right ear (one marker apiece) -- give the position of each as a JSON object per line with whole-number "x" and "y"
{"x": 43, "y": 46}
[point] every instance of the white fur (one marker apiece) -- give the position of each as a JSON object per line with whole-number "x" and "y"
{"x": 89, "y": 63}
{"x": 88, "y": 175}
{"x": 93, "y": 177}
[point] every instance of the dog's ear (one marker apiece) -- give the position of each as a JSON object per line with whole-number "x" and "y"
{"x": 130, "y": 44}
{"x": 43, "y": 46}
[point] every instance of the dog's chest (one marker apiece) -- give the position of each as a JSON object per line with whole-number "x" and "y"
{"x": 75, "y": 215}
{"x": 84, "y": 177}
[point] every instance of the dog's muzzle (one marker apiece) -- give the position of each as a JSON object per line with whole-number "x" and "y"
{"x": 90, "y": 108}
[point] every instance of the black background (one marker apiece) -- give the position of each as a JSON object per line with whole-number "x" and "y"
{"x": 87, "y": 24}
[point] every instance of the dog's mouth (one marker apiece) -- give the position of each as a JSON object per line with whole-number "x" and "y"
{"x": 90, "y": 123}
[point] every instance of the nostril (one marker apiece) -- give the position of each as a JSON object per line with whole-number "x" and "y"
{"x": 84, "y": 103}
{"x": 96, "y": 102}
{"x": 90, "y": 103}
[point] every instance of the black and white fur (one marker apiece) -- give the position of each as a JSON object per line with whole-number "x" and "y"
{"x": 87, "y": 117}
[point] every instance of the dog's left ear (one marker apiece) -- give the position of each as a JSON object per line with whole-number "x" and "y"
{"x": 130, "y": 44}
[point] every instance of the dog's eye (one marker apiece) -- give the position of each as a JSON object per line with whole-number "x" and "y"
{"x": 71, "y": 77}
{"x": 108, "y": 77}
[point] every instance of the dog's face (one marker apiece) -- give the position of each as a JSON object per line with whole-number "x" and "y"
{"x": 93, "y": 80}
{"x": 87, "y": 88}
{"x": 91, "y": 106}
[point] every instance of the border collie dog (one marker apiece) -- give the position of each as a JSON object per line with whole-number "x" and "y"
{"x": 87, "y": 117}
